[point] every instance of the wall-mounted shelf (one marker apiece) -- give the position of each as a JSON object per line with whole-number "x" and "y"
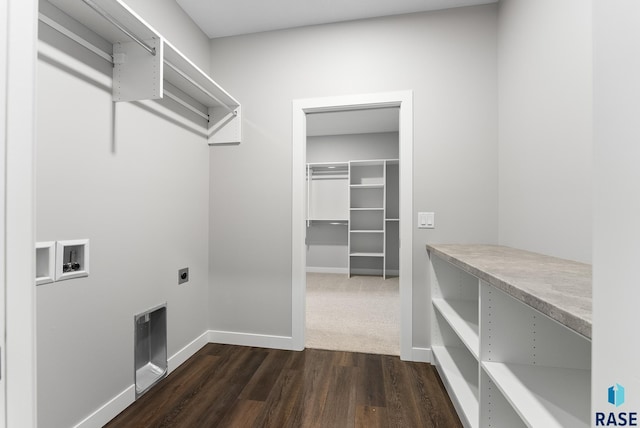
{"x": 140, "y": 71}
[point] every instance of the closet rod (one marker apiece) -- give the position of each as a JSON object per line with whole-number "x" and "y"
{"x": 100, "y": 11}
{"x": 96, "y": 50}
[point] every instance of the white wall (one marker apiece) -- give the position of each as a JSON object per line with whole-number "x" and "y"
{"x": 342, "y": 148}
{"x": 545, "y": 133}
{"x": 133, "y": 178}
{"x": 447, "y": 58}
{"x": 616, "y": 248}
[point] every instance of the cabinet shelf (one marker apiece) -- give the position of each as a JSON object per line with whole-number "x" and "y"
{"x": 460, "y": 375}
{"x": 367, "y": 231}
{"x": 462, "y": 317}
{"x": 366, "y": 209}
{"x": 544, "y": 396}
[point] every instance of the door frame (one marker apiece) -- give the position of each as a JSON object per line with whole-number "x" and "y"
{"x": 19, "y": 18}
{"x": 301, "y": 107}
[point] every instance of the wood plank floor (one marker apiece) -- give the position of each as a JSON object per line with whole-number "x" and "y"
{"x": 235, "y": 386}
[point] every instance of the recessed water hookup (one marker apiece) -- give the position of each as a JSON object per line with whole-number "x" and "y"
{"x": 183, "y": 275}
{"x": 72, "y": 259}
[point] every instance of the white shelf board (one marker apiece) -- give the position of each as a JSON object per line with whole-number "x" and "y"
{"x": 459, "y": 372}
{"x": 328, "y": 164}
{"x": 462, "y": 316}
{"x": 367, "y": 254}
{"x": 367, "y": 186}
{"x": 175, "y": 57}
{"x": 544, "y": 396}
{"x": 341, "y": 220}
{"x": 367, "y": 231}
{"x": 366, "y": 209}
{"x": 371, "y": 162}
{"x": 391, "y": 219}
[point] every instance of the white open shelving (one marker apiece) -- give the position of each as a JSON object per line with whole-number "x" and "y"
{"x": 368, "y": 239}
{"x": 521, "y": 367}
{"x": 359, "y": 194}
{"x": 460, "y": 370}
{"x": 462, "y": 316}
{"x": 140, "y": 71}
{"x": 544, "y": 396}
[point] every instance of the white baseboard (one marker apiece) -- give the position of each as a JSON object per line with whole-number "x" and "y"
{"x": 421, "y": 355}
{"x": 366, "y": 271}
{"x": 110, "y": 410}
{"x": 123, "y": 400}
{"x": 249, "y": 339}
{"x": 185, "y": 353}
{"x": 344, "y": 271}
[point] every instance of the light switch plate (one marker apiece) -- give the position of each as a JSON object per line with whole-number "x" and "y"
{"x": 426, "y": 220}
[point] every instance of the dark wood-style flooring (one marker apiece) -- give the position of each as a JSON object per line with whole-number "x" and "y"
{"x": 235, "y": 386}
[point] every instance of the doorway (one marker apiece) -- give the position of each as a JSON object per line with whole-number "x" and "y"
{"x": 352, "y": 288}
{"x": 302, "y": 108}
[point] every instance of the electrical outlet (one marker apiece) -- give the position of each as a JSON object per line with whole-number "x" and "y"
{"x": 183, "y": 275}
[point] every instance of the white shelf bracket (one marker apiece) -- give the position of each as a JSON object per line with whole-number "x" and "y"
{"x": 225, "y": 127}
{"x": 137, "y": 75}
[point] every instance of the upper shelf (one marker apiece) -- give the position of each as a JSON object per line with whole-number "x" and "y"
{"x": 177, "y": 69}
{"x": 217, "y": 97}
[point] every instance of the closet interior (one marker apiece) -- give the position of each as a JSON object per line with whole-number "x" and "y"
{"x": 352, "y": 212}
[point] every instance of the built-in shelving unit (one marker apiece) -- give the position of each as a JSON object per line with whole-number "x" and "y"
{"x": 144, "y": 60}
{"x": 359, "y": 194}
{"x": 368, "y": 240}
{"x": 510, "y": 353}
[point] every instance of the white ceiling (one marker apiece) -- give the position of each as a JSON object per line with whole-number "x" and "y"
{"x": 353, "y": 122}
{"x": 219, "y": 18}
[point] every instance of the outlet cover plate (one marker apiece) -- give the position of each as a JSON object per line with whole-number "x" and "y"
{"x": 183, "y": 276}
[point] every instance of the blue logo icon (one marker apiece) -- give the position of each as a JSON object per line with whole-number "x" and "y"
{"x": 616, "y": 395}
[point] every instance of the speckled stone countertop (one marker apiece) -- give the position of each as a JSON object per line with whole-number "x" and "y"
{"x": 560, "y": 289}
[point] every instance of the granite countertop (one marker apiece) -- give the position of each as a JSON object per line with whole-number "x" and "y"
{"x": 560, "y": 289}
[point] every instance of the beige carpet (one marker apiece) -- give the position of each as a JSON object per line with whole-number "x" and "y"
{"x": 358, "y": 314}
